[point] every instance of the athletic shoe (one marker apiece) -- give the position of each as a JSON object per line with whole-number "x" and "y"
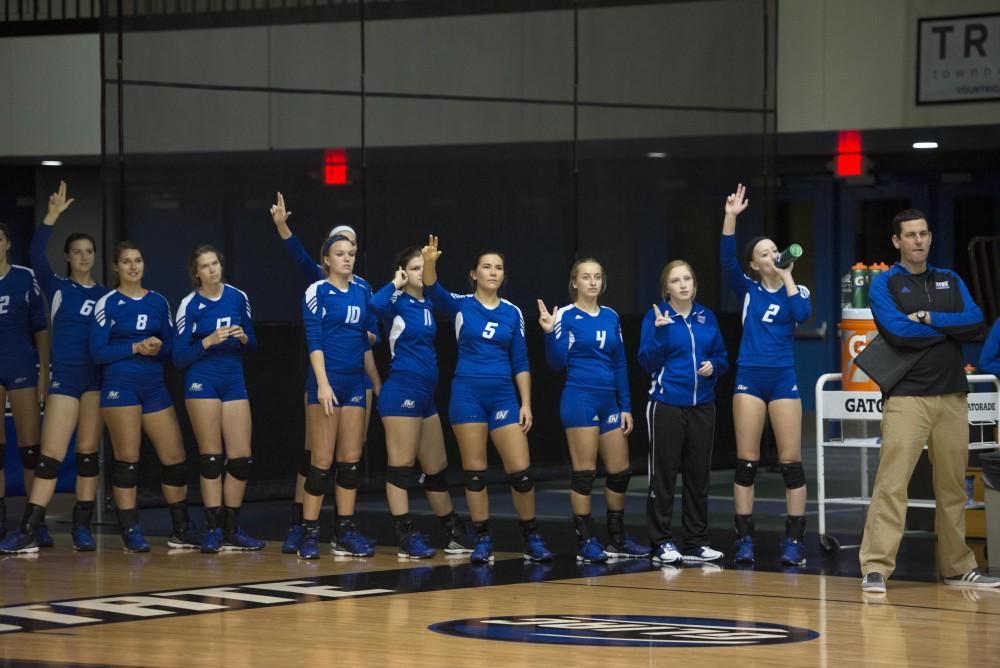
{"x": 667, "y": 553}
{"x": 974, "y": 578}
{"x": 309, "y": 546}
{"x": 744, "y": 550}
{"x": 414, "y": 546}
{"x": 370, "y": 542}
{"x": 188, "y": 539}
{"x": 873, "y": 583}
{"x": 83, "y": 540}
{"x": 459, "y": 543}
{"x": 483, "y": 554}
{"x": 627, "y": 548}
{"x": 535, "y": 548}
{"x": 703, "y": 553}
{"x": 292, "y": 540}
{"x": 591, "y": 552}
{"x": 353, "y": 544}
{"x": 42, "y": 536}
{"x": 241, "y": 540}
{"x": 18, "y": 543}
{"x": 134, "y": 540}
{"x": 211, "y": 542}
{"x": 793, "y": 553}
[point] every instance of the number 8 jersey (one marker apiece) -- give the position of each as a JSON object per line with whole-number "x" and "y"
{"x": 120, "y": 321}
{"x": 769, "y": 318}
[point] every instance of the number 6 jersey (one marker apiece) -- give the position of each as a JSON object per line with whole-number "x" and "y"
{"x": 769, "y": 318}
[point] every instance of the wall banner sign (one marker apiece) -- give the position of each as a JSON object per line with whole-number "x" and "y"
{"x": 958, "y": 59}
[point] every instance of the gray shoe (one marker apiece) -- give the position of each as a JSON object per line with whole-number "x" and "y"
{"x": 873, "y": 583}
{"x": 974, "y": 578}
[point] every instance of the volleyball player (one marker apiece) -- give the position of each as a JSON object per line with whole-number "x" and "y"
{"x": 585, "y": 339}
{"x": 73, "y": 404}
{"x": 773, "y": 306}
{"x": 681, "y": 348}
{"x": 314, "y": 272}
{"x": 132, "y": 335}
{"x": 406, "y": 404}
{"x": 491, "y": 349}
{"x": 24, "y": 339}
{"x": 214, "y": 330}
{"x": 335, "y": 312}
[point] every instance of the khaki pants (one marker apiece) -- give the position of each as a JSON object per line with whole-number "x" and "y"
{"x": 942, "y": 423}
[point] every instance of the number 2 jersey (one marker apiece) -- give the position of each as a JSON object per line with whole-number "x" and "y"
{"x": 22, "y": 313}
{"x": 769, "y": 318}
{"x": 490, "y": 340}
{"x": 71, "y": 306}
{"x": 198, "y": 316}
{"x": 120, "y": 321}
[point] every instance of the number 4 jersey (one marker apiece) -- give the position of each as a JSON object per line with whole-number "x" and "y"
{"x": 769, "y": 318}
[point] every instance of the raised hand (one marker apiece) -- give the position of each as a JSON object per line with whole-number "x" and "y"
{"x": 545, "y": 319}
{"x": 737, "y": 202}
{"x": 57, "y": 204}
{"x": 662, "y": 318}
{"x": 431, "y": 252}
{"x": 279, "y": 214}
{"x": 400, "y": 279}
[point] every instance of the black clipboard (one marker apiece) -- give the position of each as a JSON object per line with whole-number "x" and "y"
{"x": 886, "y": 364}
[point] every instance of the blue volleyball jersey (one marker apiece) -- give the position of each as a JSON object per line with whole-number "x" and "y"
{"x": 490, "y": 340}
{"x": 198, "y": 316}
{"x": 412, "y": 328}
{"x": 119, "y": 321}
{"x": 71, "y": 305}
{"x": 335, "y": 324}
{"x": 591, "y": 349}
{"x": 769, "y": 318}
{"x": 22, "y": 312}
{"x": 313, "y": 272}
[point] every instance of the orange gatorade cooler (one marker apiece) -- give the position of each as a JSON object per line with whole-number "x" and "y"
{"x": 857, "y": 329}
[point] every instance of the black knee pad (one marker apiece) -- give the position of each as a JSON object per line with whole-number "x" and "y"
{"x": 29, "y": 457}
{"x": 316, "y": 480}
{"x": 348, "y": 475}
{"x": 436, "y": 482}
{"x": 399, "y": 476}
{"x": 47, "y": 468}
{"x": 521, "y": 481}
{"x": 211, "y": 466}
{"x": 618, "y": 482}
{"x": 582, "y": 482}
{"x": 124, "y": 474}
{"x": 746, "y": 471}
{"x": 239, "y": 468}
{"x": 174, "y": 475}
{"x": 794, "y": 475}
{"x": 475, "y": 481}
{"x": 305, "y": 463}
{"x": 88, "y": 464}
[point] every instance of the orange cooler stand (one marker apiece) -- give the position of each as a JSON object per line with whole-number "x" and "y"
{"x": 857, "y": 329}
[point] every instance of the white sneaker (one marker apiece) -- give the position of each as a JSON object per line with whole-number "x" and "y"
{"x": 974, "y": 578}
{"x": 703, "y": 553}
{"x": 667, "y": 553}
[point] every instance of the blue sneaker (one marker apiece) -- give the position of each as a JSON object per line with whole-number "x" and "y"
{"x": 241, "y": 540}
{"x": 370, "y": 542}
{"x": 667, "y": 554}
{"x": 483, "y": 553}
{"x": 744, "y": 550}
{"x": 292, "y": 540}
{"x": 42, "y": 536}
{"x": 134, "y": 540}
{"x": 793, "y": 553}
{"x": 188, "y": 539}
{"x": 414, "y": 546}
{"x": 353, "y": 544}
{"x": 535, "y": 548}
{"x": 83, "y": 540}
{"x": 628, "y": 548}
{"x": 309, "y": 545}
{"x": 211, "y": 542}
{"x": 591, "y": 552}
{"x": 18, "y": 543}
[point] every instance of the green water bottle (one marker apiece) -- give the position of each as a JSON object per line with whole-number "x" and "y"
{"x": 859, "y": 286}
{"x": 788, "y": 256}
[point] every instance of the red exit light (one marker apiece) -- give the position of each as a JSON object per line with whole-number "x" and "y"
{"x": 849, "y": 161}
{"x": 335, "y": 167}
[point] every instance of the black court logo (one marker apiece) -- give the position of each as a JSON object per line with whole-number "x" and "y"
{"x": 626, "y": 631}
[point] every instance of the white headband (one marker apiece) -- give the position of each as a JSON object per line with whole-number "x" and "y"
{"x": 340, "y": 229}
